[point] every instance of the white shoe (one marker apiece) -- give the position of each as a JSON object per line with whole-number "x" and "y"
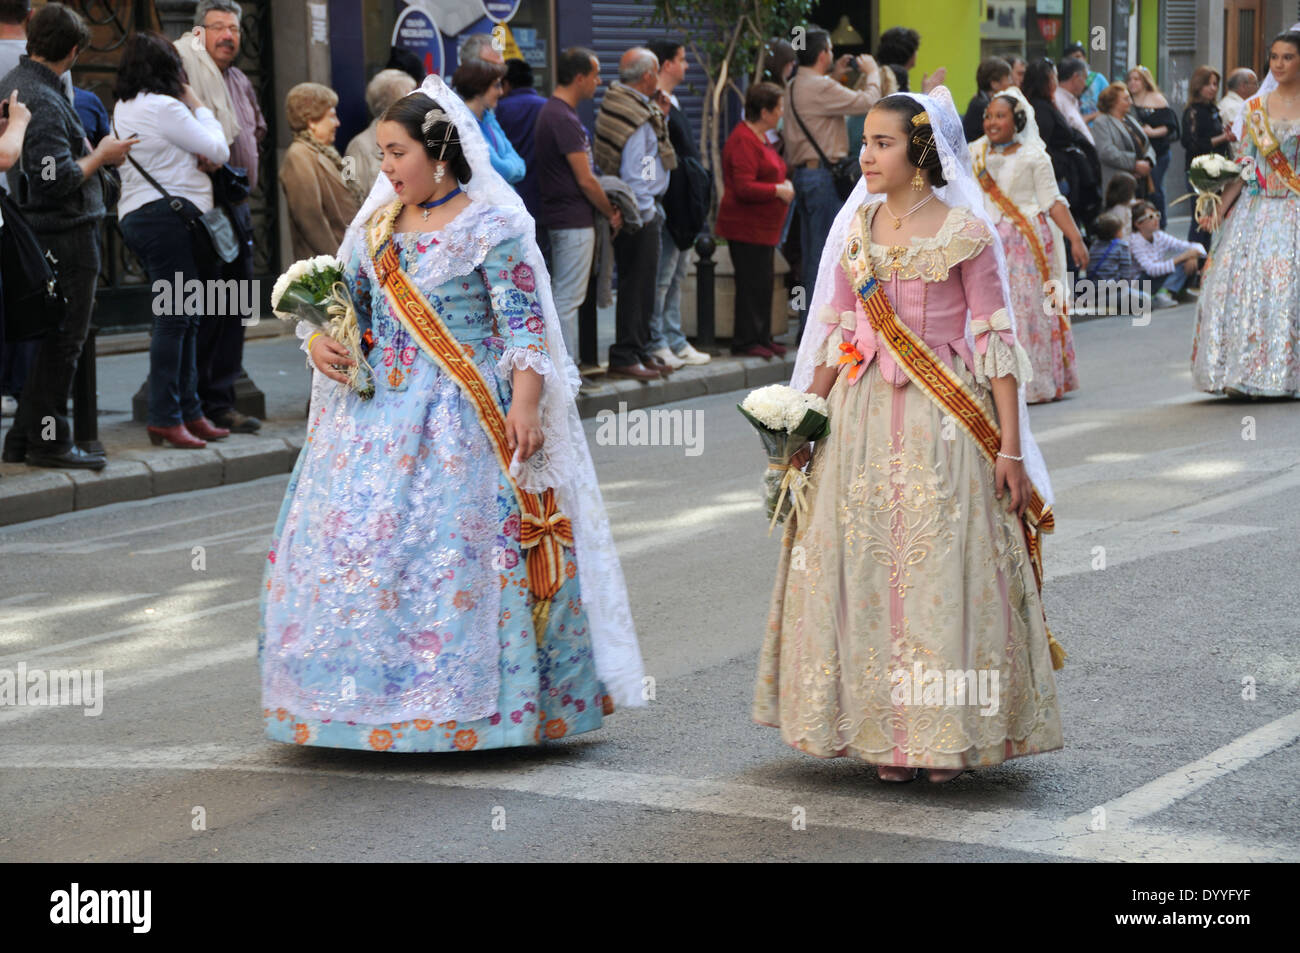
{"x": 8, "y": 406}
{"x": 1163, "y": 299}
{"x": 689, "y": 355}
{"x": 668, "y": 357}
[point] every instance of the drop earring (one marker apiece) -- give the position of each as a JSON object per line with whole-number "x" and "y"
{"x": 441, "y": 172}
{"x": 918, "y": 183}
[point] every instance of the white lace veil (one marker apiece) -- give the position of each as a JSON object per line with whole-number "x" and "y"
{"x": 1030, "y": 139}
{"x": 565, "y": 461}
{"x": 961, "y": 190}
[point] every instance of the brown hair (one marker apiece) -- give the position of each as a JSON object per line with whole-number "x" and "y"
{"x": 1200, "y": 79}
{"x": 759, "y": 97}
{"x": 475, "y": 77}
{"x": 1109, "y": 96}
{"x": 921, "y": 149}
{"x": 307, "y": 102}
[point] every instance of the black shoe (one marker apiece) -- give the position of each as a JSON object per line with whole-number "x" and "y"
{"x": 235, "y": 422}
{"x": 74, "y": 458}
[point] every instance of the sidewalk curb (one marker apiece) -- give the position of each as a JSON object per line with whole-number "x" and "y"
{"x": 144, "y": 472}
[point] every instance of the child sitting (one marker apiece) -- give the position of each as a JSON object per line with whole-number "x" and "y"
{"x": 1168, "y": 262}
{"x": 1111, "y": 260}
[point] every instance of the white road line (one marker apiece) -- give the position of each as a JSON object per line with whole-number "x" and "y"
{"x": 1023, "y": 831}
{"x": 23, "y": 597}
{"x": 85, "y": 542}
{"x": 1155, "y": 796}
{"x": 31, "y": 615}
{"x": 162, "y": 623}
{"x": 115, "y": 684}
{"x": 1070, "y": 430}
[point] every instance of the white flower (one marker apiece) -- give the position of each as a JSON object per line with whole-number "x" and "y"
{"x": 779, "y": 407}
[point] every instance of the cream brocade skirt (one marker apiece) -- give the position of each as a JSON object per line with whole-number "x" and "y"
{"x": 905, "y": 557}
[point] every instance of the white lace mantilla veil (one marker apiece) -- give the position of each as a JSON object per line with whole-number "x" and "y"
{"x": 961, "y": 190}
{"x": 565, "y": 460}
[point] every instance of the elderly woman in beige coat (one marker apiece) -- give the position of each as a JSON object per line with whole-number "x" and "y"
{"x": 323, "y": 194}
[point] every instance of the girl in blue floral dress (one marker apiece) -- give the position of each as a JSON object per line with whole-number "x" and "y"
{"x": 400, "y": 610}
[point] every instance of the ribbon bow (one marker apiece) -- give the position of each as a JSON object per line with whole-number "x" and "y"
{"x": 543, "y": 536}
{"x": 997, "y": 321}
{"x": 854, "y": 357}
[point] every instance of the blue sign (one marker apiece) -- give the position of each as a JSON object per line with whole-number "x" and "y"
{"x": 501, "y": 11}
{"x": 416, "y": 31}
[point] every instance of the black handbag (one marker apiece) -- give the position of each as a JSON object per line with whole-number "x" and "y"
{"x": 214, "y": 226}
{"x": 844, "y": 173}
{"x": 33, "y": 303}
{"x": 230, "y": 185}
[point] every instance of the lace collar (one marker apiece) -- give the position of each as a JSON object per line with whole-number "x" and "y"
{"x": 961, "y": 236}
{"x": 456, "y": 249}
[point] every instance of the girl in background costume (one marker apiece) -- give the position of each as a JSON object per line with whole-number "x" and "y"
{"x": 1248, "y": 315}
{"x": 1033, "y": 220}
{"x": 919, "y": 552}
{"x": 442, "y": 575}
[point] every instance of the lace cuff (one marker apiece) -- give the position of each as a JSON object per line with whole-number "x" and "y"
{"x": 531, "y": 358}
{"x": 1000, "y": 359}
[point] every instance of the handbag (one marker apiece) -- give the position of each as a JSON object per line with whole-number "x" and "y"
{"x": 844, "y": 173}
{"x": 230, "y": 185}
{"x": 33, "y": 303}
{"x": 214, "y": 226}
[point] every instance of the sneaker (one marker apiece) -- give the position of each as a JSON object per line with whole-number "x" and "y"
{"x": 689, "y": 355}
{"x": 1163, "y": 299}
{"x": 8, "y": 406}
{"x": 668, "y": 357}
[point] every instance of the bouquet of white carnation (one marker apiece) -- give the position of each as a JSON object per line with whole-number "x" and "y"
{"x": 786, "y": 421}
{"x": 1209, "y": 175}
{"x": 313, "y": 290}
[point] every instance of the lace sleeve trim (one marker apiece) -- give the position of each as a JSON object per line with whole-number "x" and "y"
{"x": 1001, "y": 359}
{"x": 531, "y": 357}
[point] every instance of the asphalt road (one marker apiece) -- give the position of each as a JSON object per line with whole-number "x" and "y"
{"x": 1190, "y": 496}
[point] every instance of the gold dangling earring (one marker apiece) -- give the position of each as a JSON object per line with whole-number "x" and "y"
{"x": 918, "y": 183}
{"x": 918, "y": 180}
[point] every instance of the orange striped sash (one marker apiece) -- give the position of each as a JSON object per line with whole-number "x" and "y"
{"x": 1267, "y": 144}
{"x": 939, "y": 382}
{"x": 544, "y": 531}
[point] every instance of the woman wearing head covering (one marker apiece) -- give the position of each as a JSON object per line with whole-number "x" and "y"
{"x": 442, "y": 575}
{"x": 916, "y": 561}
{"x": 1033, "y": 220}
{"x": 321, "y": 198}
{"x": 1248, "y": 315}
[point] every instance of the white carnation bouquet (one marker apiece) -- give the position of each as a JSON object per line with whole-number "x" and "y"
{"x": 313, "y": 290}
{"x": 1209, "y": 175}
{"x": 787, "y": 420}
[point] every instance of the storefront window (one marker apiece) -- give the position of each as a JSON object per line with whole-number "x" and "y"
{"x": 1026, "y": 28}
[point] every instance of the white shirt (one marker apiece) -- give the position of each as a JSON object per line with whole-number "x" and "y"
{"x": 171, "y": 140}
{"x": 1230, "y": 107}
{"x": 1156, "y": 257}
{"x": 1069, "y": 107}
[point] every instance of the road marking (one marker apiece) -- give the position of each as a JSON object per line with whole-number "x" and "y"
{"x": 1070, "y": 430}
{"x": 160, "y": 624}
{"x": 1022, "y": 831}
{"x": 17, "y": 618}
{"x": 82, "y": 546}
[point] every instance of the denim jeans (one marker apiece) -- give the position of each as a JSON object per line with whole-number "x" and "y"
{"x": 1173, "y": 282}
{"x": 572, "y": 250}
{"x": 814, "y": 192}
{"x": 666, "y": 322}
{"x": 159, "y": 238}
{"x": 1158, "y": 196}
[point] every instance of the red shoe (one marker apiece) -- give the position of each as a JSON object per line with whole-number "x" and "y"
{"x": 777, "y": 349}
{"x": 756, "y": 350}
{"x": 206, "y": 429}
{"x": 177, "y": 436}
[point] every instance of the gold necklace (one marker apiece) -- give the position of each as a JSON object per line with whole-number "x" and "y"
{"x": 898, "y": 221}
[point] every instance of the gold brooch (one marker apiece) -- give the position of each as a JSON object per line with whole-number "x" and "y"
{"x": 920, "y": 118}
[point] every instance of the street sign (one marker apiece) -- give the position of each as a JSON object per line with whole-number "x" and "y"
{"x": 416, "y": 31}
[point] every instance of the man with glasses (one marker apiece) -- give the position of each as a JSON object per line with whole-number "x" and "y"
{"x": 221, "y": 336}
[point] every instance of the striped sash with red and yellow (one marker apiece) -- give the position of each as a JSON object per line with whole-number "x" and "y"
{"x": 1267, "y": 144}
{"x": 939, "y": 382}
{"x": 544, "y": 532}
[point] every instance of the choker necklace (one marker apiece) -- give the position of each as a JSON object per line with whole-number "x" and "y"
{"x": 1002, "y": 146}
{"x": 898, "y": 220}
{"x": 427, "y": 206}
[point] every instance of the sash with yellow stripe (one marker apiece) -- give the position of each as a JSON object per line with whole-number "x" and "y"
{"x": 544, "y": 532}
{"x": 941, "y": 384}
{"x": 1267, "y": 144}
{"x": 1023, "y": 225}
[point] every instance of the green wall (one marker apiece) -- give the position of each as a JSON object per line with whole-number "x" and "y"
{"x": 950, "y": 36}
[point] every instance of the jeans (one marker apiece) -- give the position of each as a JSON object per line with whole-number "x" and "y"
{"x": 42, "y": 421}
{"x": 666, "y": 322}
{"x": 814, "y": 193}
{"x": 1158, "y": 176}
{"x": 637, "y": 259}
{"x": 219, "y": 350}
{"x": 159, "y": 238}
{"x": 572, "y": 250}
{"x": 1173, "y": 282}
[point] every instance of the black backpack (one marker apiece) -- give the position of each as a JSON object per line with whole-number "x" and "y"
{"x": 33, "y": 303}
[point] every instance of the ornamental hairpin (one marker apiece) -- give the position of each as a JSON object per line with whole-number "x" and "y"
{"x": 431, "y": 119}
{"x": 921, "y": 118}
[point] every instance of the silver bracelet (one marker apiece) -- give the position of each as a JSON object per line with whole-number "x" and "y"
{"x": 1010, "y": 457}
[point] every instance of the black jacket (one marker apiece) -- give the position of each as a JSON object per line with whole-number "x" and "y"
{"x": 686, "y": 203}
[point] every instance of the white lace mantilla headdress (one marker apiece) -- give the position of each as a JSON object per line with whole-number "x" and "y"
{"x": 564, "y": 462}
{"x": 962, "y": 190}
